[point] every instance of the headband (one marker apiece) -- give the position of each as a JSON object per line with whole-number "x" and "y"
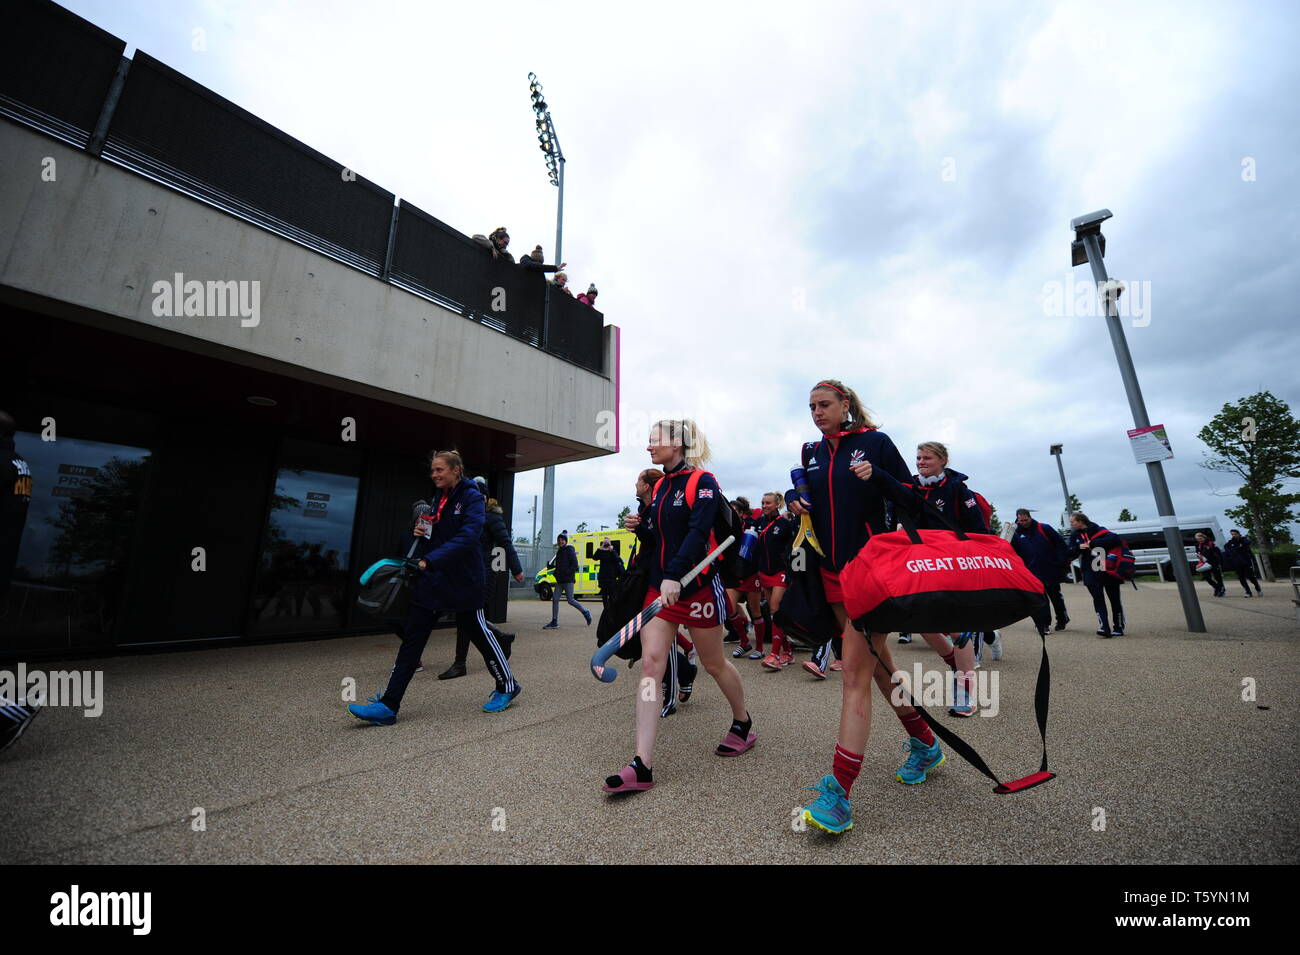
{"x": 827, "y": 384}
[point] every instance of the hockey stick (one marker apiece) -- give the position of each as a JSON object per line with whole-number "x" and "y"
{"x": 607, "y": 674}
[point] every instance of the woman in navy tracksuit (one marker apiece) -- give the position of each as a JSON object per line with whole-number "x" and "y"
{"x": 848, "y": 506}
{"x": 946, "y": 489}
{"x": 1085, "y": 536}
{"x": 677, "y": 530}
{"x": 450, "y": 580}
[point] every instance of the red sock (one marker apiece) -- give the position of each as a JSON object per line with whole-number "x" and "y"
{"x": 779, "y": 637}
{"x": 845, "y": 767}
{"x": 760, "y": 634}
{"x": 951, "y": 659}
{"x": 915, "y": 726}
{"x": 684, "y": 643}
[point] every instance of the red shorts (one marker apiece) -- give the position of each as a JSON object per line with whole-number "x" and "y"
{"x": 709, "y": 607}
{"x": 749, "y": 585}
{"x": 831, "y": 581}
{"x": 772, "y": 580}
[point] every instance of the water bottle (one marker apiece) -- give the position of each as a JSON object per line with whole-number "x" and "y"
{"x": 747, "y": 543}
{"x": 799, "y": 478}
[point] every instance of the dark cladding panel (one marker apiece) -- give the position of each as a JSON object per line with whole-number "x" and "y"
{"x": 183, "y": 134}
{"x": 577, "y": 332}
{"x": 432, "y": 258}
{"x": 55, "y": 68}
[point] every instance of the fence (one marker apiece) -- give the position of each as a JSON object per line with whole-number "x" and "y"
{"x": 69, "y": 79}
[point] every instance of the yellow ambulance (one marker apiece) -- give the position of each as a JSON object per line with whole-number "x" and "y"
{"x": 585, "y": 544}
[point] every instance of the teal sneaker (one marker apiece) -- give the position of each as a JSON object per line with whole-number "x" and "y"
{"x": 376, "y": 712}
{"x": 831, "y": 811}
{"x": 920, "y": 760}
{"x": 499, "y": 701}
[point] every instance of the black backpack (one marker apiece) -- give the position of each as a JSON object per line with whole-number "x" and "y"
{"x": 625, "y": 602}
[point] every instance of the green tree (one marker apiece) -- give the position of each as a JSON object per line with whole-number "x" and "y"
{"x": 995, "y": 525}
{"x": 1075, "y": 504}
{"x": 581, "y": 528}
{"x": 1257, "y": 438}
{"x": 1124, "y": 515}
{"x": 618, "y": 521}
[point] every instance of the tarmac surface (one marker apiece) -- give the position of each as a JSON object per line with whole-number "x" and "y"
{"x": 1159, "y": 758}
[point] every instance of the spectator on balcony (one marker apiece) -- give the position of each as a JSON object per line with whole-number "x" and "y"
{"x": 496, "y": 243}
{"x": 562, "y": 283}
{"x": 589, "y": 297}
{"x": 534, "y": 259}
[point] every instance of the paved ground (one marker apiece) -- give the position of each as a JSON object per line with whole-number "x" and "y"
{"x": 1150, "y": 729}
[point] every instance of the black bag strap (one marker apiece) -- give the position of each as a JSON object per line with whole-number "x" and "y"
{"x": 904, "y": 515}
{"x": 1042, "y": 699}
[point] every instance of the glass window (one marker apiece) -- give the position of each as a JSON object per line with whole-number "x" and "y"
{"x": 306, "y": 553}
{"x": 72, "y": 560}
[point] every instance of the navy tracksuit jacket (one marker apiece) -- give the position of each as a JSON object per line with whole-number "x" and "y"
{"x": 846, "y": 511}
{"x": 681, "y": 533}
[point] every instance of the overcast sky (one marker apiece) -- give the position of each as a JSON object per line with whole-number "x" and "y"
{"x": 768, "y": 195}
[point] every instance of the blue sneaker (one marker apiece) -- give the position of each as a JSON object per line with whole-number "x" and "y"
{"x": 376, "y": 712}
{"x": 920, "y": 760}
{"x": 831, "y": 811}
{"x": 963, "y": 700}
{"x": 499, "y": 701}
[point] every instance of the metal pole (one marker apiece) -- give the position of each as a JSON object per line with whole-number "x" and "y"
{"x": 1065, "y": 490}
{"x": 548, "y": 481}
{"x": 1155, "y": 472}
{"x": 559, "y": 210}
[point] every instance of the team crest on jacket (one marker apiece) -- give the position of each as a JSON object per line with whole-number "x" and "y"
{"x": 456, "y": 510}
{"x": 857, "y": 457}
{"x": 678, "y": 498}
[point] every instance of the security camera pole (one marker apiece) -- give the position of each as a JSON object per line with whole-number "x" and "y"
{"x": 1056, "y": 453}
{"x": 1090, "y": 246}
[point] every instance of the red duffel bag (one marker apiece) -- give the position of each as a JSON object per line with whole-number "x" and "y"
{"x": 937, "y": 581}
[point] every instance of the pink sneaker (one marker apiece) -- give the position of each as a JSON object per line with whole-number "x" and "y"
{"x": 814, "y": 670}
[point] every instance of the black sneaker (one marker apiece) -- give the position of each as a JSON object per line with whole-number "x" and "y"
{"x": 1060, "y": 624}
{"x": 452, "y": 672}
{"x": 551, "y": 626}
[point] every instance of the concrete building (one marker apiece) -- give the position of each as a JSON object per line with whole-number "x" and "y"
{"x": 229, "y": 357}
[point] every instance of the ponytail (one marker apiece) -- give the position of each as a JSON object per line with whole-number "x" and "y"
{"x": 859, "y": 415}
{"x": 686, "y": 434}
